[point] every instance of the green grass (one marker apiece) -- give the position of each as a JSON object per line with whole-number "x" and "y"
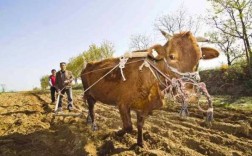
{"x": 232, "y": 102}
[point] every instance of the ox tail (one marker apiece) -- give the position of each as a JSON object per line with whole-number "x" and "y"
{"x": 84, "y": 98}
{"x": 85, "y": 85}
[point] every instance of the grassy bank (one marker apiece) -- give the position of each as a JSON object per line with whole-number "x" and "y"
{"x": 228, "y": 80}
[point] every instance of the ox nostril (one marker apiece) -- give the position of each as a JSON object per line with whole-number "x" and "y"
{"x": 172, "y": 57}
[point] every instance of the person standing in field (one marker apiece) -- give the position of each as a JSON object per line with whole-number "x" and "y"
{"x": 52, "y": 81}
{"x": 63, "y": 85}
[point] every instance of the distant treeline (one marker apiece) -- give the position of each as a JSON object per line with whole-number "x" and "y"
{"x": 77, "y": 63}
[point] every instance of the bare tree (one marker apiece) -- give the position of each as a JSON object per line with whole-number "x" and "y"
{"x": 233, "y": 18}
{"x": 139, "y": 42}
{"x": 228, "y": 45}
{"x": 178, "y": 21}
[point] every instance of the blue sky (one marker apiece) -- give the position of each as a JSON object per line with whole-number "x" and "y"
{"x": 36, "y": 35}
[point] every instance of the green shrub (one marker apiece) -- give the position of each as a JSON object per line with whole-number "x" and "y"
{"x": 232, "y": 80}
{"x": 78, "y": 86}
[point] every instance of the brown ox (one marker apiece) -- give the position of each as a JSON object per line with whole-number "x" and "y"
{"x": 141, "y": 90}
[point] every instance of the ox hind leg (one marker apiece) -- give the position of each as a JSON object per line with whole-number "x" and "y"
{"x": 140, "y": 123}
{"x": 126, "y": 119}
{"x": 91, "y": 115}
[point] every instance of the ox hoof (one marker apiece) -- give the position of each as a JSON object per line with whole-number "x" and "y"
{"x": 140, "y": 145}
{"x": 137, "y": 147}
{"x": 120, "y": 133}
{"x": 129, "y": 129}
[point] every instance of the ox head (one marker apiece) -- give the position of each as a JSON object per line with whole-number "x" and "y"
{"x": 182, "y": 51}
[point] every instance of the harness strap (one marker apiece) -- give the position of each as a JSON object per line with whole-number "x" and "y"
{"x": 160, "y": 72}
{"x": 101, "y": 78}
{"x": 146, "y": 64}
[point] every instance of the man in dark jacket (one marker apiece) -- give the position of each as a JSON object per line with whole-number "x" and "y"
{"x": 64, "y": 80}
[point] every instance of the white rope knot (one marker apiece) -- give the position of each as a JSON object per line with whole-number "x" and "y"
{"x": 194, "y": 76}
{"x": 147, "y": 65}
{"x": 122, "y": 63}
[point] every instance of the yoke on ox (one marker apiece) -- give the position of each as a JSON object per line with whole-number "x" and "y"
{"x": 139, "y": 80}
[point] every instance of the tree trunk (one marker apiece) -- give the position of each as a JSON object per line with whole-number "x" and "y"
{"x": 246, "y": 42}
{"x": 227, "y": 54}
{"x": 228, "y": 59}
{"x": 246, "y": 51}
{"x": 249, "y": 51}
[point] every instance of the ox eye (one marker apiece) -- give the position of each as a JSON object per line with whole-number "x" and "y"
{"x": 172, "y": 57}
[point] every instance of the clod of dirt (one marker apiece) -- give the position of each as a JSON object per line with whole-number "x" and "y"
{"x": 106, "y": 148}
{"x": 244, "y": 129}
{"x": 18, "y": 122}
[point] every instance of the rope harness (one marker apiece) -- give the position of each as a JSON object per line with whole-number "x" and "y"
{"x": 122, "y": 63}
{"x": 173, "y": 87}
{"x": 178, "y": 86}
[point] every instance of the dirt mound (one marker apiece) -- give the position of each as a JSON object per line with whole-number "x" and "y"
{"x": 28, "y": 127}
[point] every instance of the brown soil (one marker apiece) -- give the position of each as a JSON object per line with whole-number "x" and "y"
{"x": 28, "y": 127}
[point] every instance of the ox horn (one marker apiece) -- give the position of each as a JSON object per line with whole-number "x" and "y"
{"x": 166, "y": 35}
{"x": 135, "y": 54}
{"x": 202, "y": 39}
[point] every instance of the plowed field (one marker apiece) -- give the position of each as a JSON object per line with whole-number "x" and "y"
{"x": 28, "y": 127}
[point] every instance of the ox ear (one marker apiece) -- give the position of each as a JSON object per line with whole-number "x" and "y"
{"x": 209, "y": 53}
{"x": 157, "y": 52}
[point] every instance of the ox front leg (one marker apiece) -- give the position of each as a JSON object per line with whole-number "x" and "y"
{"x": 140, "y": 123}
